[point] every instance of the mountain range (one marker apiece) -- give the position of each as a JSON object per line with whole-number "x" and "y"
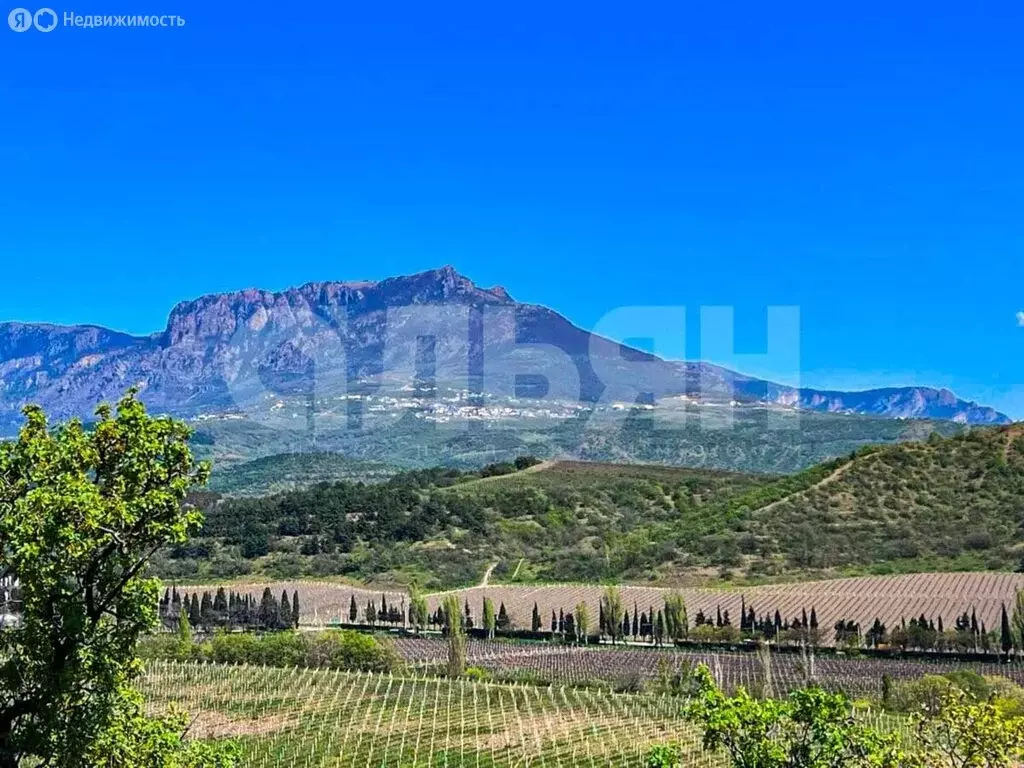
{"x": 228, "y": 352}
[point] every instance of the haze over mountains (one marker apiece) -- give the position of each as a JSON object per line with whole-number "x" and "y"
{"x": 225, "y": 352}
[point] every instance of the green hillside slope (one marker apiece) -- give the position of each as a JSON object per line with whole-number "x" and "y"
{"x": 942, "y": 503}
{"x": 953, "y": 502}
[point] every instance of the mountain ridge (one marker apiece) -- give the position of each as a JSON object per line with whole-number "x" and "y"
{"x": 225, "y": 350}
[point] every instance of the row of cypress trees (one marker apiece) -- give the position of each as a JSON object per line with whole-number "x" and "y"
{"x": 230, "y": 610}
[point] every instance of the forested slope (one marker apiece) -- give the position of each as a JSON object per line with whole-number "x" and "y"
{"x": 939, "y": 504}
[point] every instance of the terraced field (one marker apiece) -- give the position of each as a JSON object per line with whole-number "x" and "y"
{"x": 308, "y": 718}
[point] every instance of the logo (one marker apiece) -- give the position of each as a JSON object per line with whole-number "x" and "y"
{"x": 45, "y": 20}
{"x": 22, "y": 19}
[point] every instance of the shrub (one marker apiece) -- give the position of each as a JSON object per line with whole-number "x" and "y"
{"x": 334, "y": 649}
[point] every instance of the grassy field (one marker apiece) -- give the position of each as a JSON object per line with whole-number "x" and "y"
{"x": 306, "y": 718}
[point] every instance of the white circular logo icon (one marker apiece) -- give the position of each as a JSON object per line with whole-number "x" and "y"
{"x": 20, "y": 19}
{"x": 45, "y": 20}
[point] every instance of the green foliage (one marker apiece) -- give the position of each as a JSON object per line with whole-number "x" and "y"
{"x": 811, "y": 729}
{"x": 1017, "y": 622}
{"x": 950, "y": 503}
{"x": 817, "y": 729}
{"x": 928, "y": 693}
{"x": 419, "y": 610}
{"x": 665, "y": 756}
{"x": 490, "y": 619}
{"x": 612, "y": 610}
{"x": 133, "y": 740}
{"x": 582, "y": 621}
{"x": 946, "y": 504}
{"x": 968, "y": 733}
{"x": 293, "y": 471}
{"x": 334, "y": 649}
{"x": 81, "y": 512}
{"x": 456, "y": 634}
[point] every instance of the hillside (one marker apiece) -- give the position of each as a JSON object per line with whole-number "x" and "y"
{"x": 940, "y": 504}
{"x": 444, "y": 527}
{"x": 955, "y": 502}
{"x": 742, "y": 438}
{"x": 293, "y": 471}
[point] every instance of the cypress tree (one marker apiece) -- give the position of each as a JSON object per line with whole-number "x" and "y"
{"x": 1005, "y": 636}
{"x": 535, "y": 622}
{"x": 194, "y": 616}
{"x": 266, "y": 615}
{"x": 220, "y": 606}
{"x": 295, "y": 609}
{"x": 284, "y": 611}
{"x": 206, "y": 610}
{"x": 353, "y": 611}
{"x": 490, "y": 622}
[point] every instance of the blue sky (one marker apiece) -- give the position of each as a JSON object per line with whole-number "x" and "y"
{"x": 863, "y": 162}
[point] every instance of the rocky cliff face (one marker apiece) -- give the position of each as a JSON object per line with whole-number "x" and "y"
{"x": 226, "y": 351}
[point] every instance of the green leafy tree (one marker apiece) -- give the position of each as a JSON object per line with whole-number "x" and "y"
{"x": 968, "y": 733}
{"x": 811, "y": 729}
{"x": 582, "y": 615}
{"x": 676, "y": 623}
{"x": 418, "y": 610}
{"x": 613, "y": 611}
{"x": 81, "y": 513}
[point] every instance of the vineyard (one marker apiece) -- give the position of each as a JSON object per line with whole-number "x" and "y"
{"x": 633, "y": 668}
{"x": 862, "y": 599}
{"x": 307, "y": 718}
